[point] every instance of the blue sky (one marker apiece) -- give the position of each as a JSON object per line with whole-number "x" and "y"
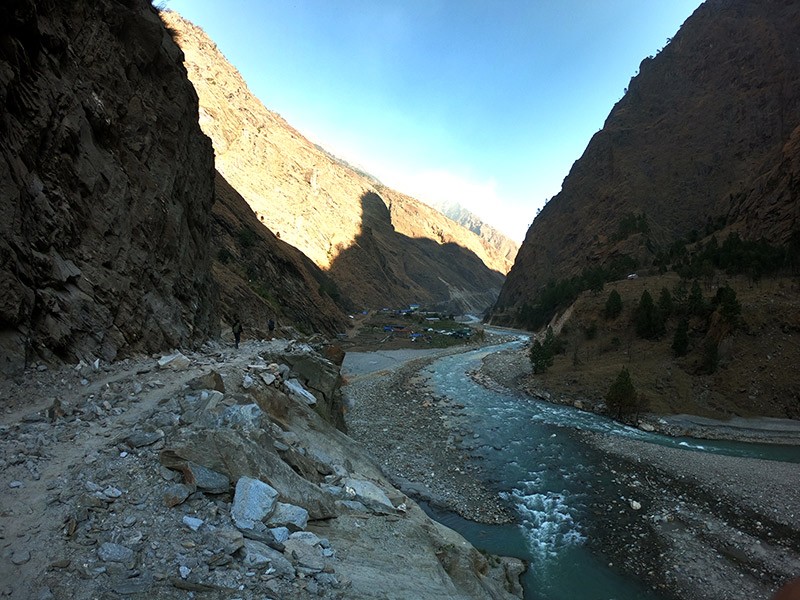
{"x": 484, "y": 102}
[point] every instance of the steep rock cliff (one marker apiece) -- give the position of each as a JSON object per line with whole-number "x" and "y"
{"x": 702, "y": 120}
{"x": 770, "y": 207}
{"x": 507, "y": 247}
{"x": 106, "y": 183}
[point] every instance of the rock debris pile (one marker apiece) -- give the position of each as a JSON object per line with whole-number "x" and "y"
{"x": 213, "y": 475}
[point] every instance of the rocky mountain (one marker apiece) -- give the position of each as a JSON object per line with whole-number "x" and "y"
{"x": 380, "y": 247}
{"x": 261, "y": 277}
{"x": 704, "y": 139}
{"x": 508, "y": 248}
{"x": 109, "y": 243}
{"x": 106, "y": 183}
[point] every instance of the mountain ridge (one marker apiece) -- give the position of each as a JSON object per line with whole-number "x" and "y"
{"x": 697, "y": 126}
{"x": 315, "y": 203}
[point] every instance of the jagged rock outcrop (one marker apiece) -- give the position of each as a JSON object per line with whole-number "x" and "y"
{"x": 106, "y": 183}
{"x": 316, "y": 202}
{"x": 699, "y": 124}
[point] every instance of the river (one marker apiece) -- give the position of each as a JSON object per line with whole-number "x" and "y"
{"x": 555, "y": 482}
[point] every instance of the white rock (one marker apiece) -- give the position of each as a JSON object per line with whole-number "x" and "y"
{"x": 192, "y": 522}
{"x": 635, "y": 505}
{"x": 175, "y": 361}
{"x": 253, "y": 501}
{"x": 297, "y": 390}
{"x": 368, "y": 494}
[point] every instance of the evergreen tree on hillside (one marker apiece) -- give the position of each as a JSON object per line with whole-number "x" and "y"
{"x": 665, "y": 304}
{"x": 695, "y": 304}
{"x": 613, "y": 305}
{"x": 542, "y": 353}
{"x": 680, "y": 341}
{"x": 541, "y": 357}
{"x": 648, "y": 318}
{"x": 728, "y": 305}
{"x": 621, "y": 396}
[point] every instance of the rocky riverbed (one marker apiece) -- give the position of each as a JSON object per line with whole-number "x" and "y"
{"x": 415, "y": 434}
{"x": 702, "y": 526}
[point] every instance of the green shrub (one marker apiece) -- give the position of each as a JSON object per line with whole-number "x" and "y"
{"x": 247, "y": 237}
{"x": 224, "y": 256}
{"x": 680, "y": 341}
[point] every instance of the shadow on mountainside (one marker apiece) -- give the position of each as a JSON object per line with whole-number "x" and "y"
{"x": 261, "y": 277}
{"x": 385, "y": 268}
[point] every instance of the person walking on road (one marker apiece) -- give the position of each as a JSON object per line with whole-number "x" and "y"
{"x": 237, "y": 331}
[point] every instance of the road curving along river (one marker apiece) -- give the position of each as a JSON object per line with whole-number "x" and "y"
{"x": 564, "y": 493}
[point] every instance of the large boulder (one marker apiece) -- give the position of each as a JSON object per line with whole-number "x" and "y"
{"x": 321, "y": 377}
{"x": 253, "y": 455}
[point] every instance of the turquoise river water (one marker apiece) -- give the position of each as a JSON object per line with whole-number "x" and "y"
{"x": 552, "y": 479}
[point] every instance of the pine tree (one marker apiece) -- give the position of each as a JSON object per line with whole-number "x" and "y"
{"x": 649, "y": 320}
{"x": 613, "y": 305}
{"x": 728, "y": 305}
{"x": 665, "y": 304}
{"x": 621, "y": 396}
{"x": 680, "y": 341}
{"x": 541, "y": 357}
{"x": 696, "y": 305}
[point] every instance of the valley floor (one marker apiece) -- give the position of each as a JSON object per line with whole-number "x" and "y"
{"x": 704, "y": 527}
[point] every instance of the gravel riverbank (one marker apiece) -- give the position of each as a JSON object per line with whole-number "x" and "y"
{"x": 415, "y": 436}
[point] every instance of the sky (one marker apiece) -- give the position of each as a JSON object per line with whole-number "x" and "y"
{"x": 487, "y": 103}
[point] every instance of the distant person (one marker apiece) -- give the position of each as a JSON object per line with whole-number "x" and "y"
{"x": 237, "y": 331}
{"x": 271, "y": 327}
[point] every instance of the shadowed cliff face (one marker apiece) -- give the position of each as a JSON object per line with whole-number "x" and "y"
{"x": 699, "y": 125}
{"x": 261, "y": 277}
{"x": 106, "y": 185}
{"x": 383, "y": 267}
